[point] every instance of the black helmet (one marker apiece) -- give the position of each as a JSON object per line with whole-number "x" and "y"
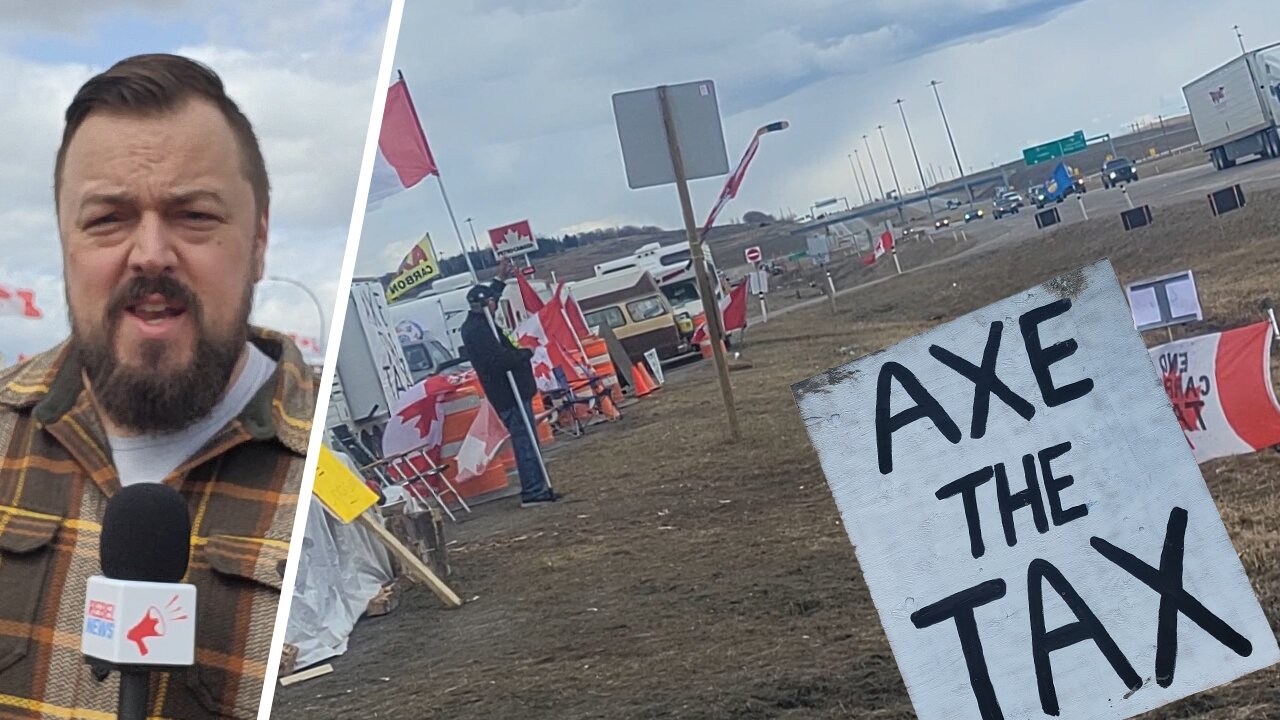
{"x": 480, "y": 295}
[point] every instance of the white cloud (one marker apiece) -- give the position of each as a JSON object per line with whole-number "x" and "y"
{"x": 515, "y": 96}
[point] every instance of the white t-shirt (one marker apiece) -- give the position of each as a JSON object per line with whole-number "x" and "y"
{"x": 150, "y": 458}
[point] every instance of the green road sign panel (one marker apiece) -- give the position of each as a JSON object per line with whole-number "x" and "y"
{"x": 1073, "y": 144}
{"x": 1056, "y": 149}
{"x": 1042, "y": 153}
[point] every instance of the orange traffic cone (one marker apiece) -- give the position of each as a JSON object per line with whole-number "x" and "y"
{"x": 643, "y": 383}
{"x": 607, "y": 407}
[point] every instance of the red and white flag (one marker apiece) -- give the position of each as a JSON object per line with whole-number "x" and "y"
{"x": 733, "y": 311}
{"x": 18, "y": 302}
{"x": 532, "y": 301}
{"x": 404, "y": 159}
{"x": 481, "y": 444}
{"x": 1221, "y": 391}
{"x": 730, "y": 189}
{"x": 573, "y": 311}
{"x": 417, "y": 420}
{"x": 550, "y": 336}
{"x": 882, "y": 246}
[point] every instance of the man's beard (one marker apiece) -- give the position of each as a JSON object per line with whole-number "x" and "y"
{"x": 151, "y": 399}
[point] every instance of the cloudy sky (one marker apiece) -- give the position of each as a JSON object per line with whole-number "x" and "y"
{"x": 304, "y": 71}
{"x": 515, "y": 94}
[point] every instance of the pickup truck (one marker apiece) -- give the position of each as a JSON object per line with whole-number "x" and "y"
{"x": 1118, "y": 171}
{"x": 1006, "y": 204}
{"x": 1062, "y": 184}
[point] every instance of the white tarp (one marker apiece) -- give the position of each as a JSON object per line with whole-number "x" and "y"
{"x": 341, "y": 568}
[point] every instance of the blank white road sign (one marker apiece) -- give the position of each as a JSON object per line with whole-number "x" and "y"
{"x": 1034, "y": 530}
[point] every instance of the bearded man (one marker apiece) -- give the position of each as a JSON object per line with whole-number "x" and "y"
{"x": 162, "y": 199}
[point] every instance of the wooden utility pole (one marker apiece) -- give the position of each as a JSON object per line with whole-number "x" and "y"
{"x": 710, "y": 307}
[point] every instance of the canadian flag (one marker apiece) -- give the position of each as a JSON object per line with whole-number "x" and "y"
{"x": 1221, "y": 391}
{"x": 573, "y": 311}
{"x": 532, "y": 301}
{"x": 481, "y": 444}
{"x": 549, "y": 335}
{"x": 404, "y": 159}
{"x": 17, "y": 302}
{"x": 417, "y": 420}
{"x": 882, "y": 246}
{"x": 733, "y": 310}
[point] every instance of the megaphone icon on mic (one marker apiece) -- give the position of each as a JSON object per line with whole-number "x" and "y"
{"x": 152, "y": 625}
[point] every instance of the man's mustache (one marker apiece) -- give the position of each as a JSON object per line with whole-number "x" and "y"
{"x": 144, "y": 286}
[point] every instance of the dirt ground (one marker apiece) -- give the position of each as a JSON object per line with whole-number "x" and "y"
{"x": 690, "y": 578}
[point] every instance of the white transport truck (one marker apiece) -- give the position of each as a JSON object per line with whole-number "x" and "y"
{"x": 1236, "y": 108}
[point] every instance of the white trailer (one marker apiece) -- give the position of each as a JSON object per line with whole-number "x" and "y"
{"x": 442, "y": 311}
{"x": 1236, "y": 107}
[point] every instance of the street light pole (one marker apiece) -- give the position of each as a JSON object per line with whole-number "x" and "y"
{"x": 474, "y": 241}
{"x": 314, "y": 299}
{"x": 959, "y": 165}
{"x": 854, "y": 170}
{"x": 871, "y": 156}
{"x": 892, "y": 170}
{"x": 867, "y": 183}
{"x": 897, "y": 186}
{"x": 923, "y": 183}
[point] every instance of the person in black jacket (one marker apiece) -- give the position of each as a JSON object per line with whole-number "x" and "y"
{"x": 494, "y": 355}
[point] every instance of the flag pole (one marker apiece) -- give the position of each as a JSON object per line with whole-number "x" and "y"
{"x": 524, "y": 410}
{"x": 466, "y": 254}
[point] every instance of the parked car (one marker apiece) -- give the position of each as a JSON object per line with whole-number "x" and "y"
{"x": 1117, "y": 171}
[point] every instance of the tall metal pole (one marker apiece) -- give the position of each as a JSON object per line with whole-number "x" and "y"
{"x": 854, "y": 170}
{"x": 858, "y": 159}
{"x": 871, "y": 156}
{"x": 319, "y": 308}
{"x": 1240, "y": 38}
{"x": 440, "y": 181}
{"x": 951, "y": 139}
{"x": 900, "y": 203}
{"x": 892, "y": 170}
{"x": 709, "y": 305}
{"x": 456, "y": 232}
{"x": 924, "y": 184}
{"x": 474, "y": 240}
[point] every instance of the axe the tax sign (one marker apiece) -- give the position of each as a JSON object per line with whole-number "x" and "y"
{"x": 1029, "y": 516}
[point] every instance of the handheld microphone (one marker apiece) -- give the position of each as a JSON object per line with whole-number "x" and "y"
{"x": 138, "y": 615}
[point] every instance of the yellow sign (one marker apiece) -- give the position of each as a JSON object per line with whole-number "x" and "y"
{"x": 418, "y": 267}
{"x": 339, "y": 488}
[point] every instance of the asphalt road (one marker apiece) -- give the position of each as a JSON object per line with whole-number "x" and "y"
{"x": 1154, "y": 190}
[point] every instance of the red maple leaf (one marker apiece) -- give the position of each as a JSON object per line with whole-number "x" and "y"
{"x": 1186, "y": 402}
{"x": 421, "y": 413}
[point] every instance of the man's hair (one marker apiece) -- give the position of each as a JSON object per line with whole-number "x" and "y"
{"x": 156, "y": 84}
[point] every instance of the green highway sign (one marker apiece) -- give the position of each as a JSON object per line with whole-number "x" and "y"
{"x": 1073, "y": 144}
{"x": 1056, "y": 149}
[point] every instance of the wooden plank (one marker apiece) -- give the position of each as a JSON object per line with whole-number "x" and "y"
{"x": 412, "y": 563}
{"x": 308, "y": 674}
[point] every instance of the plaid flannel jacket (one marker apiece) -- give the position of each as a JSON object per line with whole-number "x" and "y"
{"x": 56, "y": 474}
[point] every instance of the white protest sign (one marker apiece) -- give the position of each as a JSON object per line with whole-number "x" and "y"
{"x": 1030, "y": 521}
{"x": 1145, "y": 307}
{"x": 655, "y": 366}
